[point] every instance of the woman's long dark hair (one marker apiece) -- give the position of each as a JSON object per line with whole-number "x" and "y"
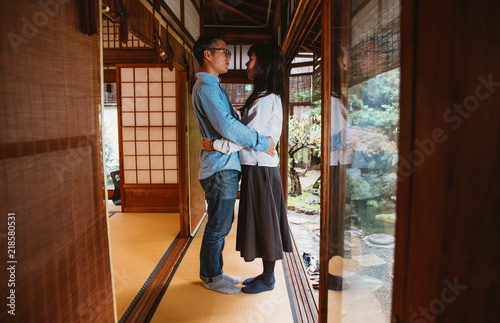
{"x": 270, "y": 72}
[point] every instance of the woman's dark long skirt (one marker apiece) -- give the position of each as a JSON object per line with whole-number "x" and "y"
{"x": 263, "y": 230}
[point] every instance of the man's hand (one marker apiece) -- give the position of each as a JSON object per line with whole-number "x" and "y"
{"x": 271, "y": 151}
{"x": 206, "y": 144}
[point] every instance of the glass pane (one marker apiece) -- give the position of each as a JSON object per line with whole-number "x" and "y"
{"x": 110, "y": 134}
{"x": 363, "y": 155}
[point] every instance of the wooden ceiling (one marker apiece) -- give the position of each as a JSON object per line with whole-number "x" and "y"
{"x": 250, "y": 21}
{"x": 242, "y": 22}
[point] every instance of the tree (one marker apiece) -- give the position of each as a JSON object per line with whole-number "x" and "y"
{"x": 303, "y": 133}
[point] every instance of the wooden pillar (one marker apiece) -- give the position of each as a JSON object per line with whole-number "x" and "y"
{"x": 284, "y": 137}
{"x": 326, "y": 46}
{"x": 447, "y": 254}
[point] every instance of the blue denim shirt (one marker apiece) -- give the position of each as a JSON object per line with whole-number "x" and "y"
{"x": 217, "y": 119}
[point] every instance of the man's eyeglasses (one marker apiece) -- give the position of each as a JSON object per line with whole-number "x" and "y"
{"x": 226, "y": 51}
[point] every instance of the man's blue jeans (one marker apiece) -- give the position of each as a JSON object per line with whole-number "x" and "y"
{"x": 221, "y": 189}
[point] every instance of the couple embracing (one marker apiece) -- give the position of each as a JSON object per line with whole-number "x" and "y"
{"x": 231, "y": 146}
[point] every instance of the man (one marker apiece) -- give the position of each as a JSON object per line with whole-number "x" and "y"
{"x": 219, "y": 173}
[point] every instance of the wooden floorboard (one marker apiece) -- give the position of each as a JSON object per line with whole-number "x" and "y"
{"x": 306, "y": 305}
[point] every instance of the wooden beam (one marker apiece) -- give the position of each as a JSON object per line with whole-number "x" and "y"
{"x": 236, "y": 11}
{"x": 302, "y": 64}
{"x": 326, "y": 198}
{"x": 283, "y": 144}
{"x": 276, "y": 19}
{"x": 254, "y": 6}
{"x": 214, "y": 14}
{"x": 306, "y": 15}
{"x": 235, "y": 76}
{"x": 110, "y": 76}
{"x": 242, "y": 36}
{"x": 124, "y": 56}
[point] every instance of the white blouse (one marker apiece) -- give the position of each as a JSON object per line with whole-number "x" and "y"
{"x": 266, "y": 117}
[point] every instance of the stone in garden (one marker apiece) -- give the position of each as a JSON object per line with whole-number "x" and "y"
{"x": 380, "y": 239}
{"x": 373, "y": 283}
{"x": 298, "y": 220}
{"x": 312, "y": 190}
{"x": 311, "y": 200}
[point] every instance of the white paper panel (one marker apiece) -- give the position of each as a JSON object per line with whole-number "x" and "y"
{"x": 128, "y": 133}
{"x": 127, "y": 104}
{"x": 169, "y": 119}
{"x": 129, "y": 162}
{"x": 141, "y": 104}
{"x": 170, "y": 176}
{"x": 128, "y": 120}
{"x": 157, "y": 177}
{"x": 170, "y": 148}
{"x": 127, "y": 74}
{"x": 170, "y": 162}
{"x": 143, "y": 177}
{"x": 142, "y": 162}
{"x": 141, "y": 89}
{"x": 127, "y": 90}
{"x": 169, "y": 104}
{"x": 155, "y": 104}
{"x": 141, "y": 119}
{"x": 154, "y": 89}
{"x": 156, "y": 162}
{"x": 142, "y": 148}
{"x": 141, "y": 74}
{"x": 129, "y": 148}
{"x": 156, "y": 148}
{"x": 155, "y": 119}
{"x": 170, "y": 133}
{"x": 168, "y": 76}
{"x": 168, "y": 89}
{"x": 155, "y": 74}
{"x": 141, "y": 133}
{"x": 130, "y": 177}
{"x": 155, "y": 133}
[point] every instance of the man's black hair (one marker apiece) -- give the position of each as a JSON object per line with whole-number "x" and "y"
{"x": 204, "y": 42}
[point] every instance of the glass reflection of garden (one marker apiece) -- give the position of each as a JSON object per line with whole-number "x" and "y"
{"x": 371, "y": 149}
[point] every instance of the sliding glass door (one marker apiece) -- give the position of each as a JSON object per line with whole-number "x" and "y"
{"x": 360, "y": 94}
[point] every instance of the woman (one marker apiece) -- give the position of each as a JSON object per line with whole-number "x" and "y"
{"x": 263, "y": 230}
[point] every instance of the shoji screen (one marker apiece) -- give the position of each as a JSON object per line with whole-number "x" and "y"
{"x": 149, "y": 133}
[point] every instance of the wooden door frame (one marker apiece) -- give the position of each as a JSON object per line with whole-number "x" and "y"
{"x": 181, "y": 155}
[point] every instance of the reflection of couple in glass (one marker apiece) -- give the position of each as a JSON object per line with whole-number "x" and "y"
{"x": 230, "y": 146}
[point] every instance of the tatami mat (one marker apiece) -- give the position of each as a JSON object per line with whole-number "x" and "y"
{"x": 138, "y": 243}
{"x": 112, "y": 208}
{"x": 186, "y": 300}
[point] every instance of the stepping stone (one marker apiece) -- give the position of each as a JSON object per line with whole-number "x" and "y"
{"x": 372, "y": 282}
{"x": 369, "y": 260}
{"x": 381, "y": 239}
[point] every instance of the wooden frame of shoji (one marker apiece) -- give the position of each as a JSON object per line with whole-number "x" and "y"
{"x": 111, "y": 37}
{"x": 151, "y": 138}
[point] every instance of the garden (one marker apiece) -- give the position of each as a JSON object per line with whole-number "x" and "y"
{"x": 371, "y": 155}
